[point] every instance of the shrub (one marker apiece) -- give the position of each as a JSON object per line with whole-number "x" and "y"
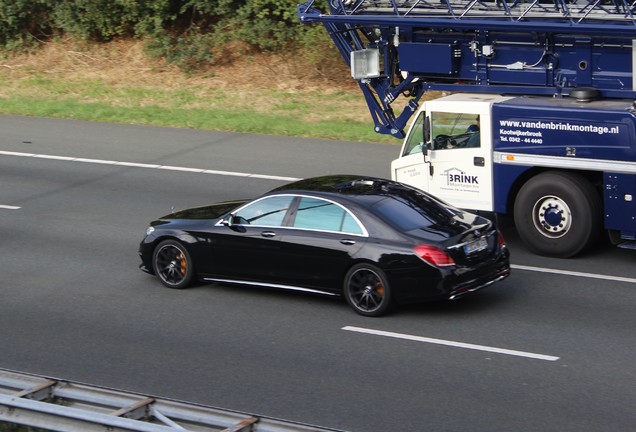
{"x": 24, "y": 22}
{"x": 184, "y": 32}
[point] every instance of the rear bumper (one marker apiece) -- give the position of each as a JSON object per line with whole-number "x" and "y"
{"x": 479, "y": 283}
{"x": 417, "y": 285}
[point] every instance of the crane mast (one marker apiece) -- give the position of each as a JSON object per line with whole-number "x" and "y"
{"x": 400, "y": 49}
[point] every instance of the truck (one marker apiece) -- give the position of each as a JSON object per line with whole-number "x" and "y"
{"x": 514, "y": 107}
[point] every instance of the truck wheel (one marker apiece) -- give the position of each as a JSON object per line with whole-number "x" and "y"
{"x": 558, "y": 214}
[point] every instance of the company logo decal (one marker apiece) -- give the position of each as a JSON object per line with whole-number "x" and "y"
{"x": 458, "y": 180}
{"x": 455, "y": 176}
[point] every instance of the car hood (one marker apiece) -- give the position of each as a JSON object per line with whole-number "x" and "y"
{"x": 212, "y": 211}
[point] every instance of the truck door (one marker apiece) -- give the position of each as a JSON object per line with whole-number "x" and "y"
{"x": 461, "y": 156}
{"x": 456, "y": 164}
{"x": 411, "y": 167}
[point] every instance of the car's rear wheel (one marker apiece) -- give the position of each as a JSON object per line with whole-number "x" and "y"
{"x": 367, "y": 290}
{"x": 172, "y": 264}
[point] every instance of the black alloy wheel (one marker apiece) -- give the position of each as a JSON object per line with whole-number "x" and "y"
{"x": 172, "y": 264}
{"x": 367, "y": 290}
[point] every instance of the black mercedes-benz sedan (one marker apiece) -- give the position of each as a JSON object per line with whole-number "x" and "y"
{"x": 373, "y": 241}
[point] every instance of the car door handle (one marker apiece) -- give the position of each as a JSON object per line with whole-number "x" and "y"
{"x": 479, "y": 161}
{"x": 268, "y": 234}
{"x": 347, "y": 242}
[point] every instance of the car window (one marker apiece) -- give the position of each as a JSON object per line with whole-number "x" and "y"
{"x": 268, "y": 211}
{"x": 318, "y": 214}
{"x": 410, "y": 212}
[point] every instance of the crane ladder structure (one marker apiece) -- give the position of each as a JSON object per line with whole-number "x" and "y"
{"x": 56, "y": 405}
{"x": 404, "y": 48}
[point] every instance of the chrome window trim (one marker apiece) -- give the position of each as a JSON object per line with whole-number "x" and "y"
{"x": 365, "y": 233}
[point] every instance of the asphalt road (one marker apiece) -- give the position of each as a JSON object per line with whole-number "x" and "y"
{"x": 552, "y": 348}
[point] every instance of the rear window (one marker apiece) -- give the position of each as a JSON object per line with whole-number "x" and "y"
{"x": 318, "y": 214}
{"x": 412, "y": 212}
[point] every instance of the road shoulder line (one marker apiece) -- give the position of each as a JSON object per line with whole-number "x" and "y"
{"x": 151, "y": 166}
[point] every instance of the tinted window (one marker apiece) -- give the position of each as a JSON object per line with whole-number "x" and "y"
{"x": 324, "y": 215}
{"x": 411, "y": 212}
{"x": 268, "y": 212}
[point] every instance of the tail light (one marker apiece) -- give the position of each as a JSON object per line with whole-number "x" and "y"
{"x": 500, "y": 240}
{"x": 434, "y": 255}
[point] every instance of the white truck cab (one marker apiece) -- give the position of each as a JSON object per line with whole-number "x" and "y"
{"x": 448, "y": 150}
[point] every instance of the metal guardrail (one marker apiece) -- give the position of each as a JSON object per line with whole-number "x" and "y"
{"x": 65, "y": 406}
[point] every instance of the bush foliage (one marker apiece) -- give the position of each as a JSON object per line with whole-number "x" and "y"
{"x": 185, "y": 32}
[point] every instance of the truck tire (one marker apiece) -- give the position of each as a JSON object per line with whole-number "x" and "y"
{"x": 558, "y": 214}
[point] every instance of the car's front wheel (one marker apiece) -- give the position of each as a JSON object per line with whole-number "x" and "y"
{"x": 367, "y": 290}
{"x": 172, "y": 264}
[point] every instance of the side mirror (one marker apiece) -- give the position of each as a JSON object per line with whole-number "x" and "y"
{"x": 426, "y": 132}
{"x": 228, "y": 221}
{"x": 234, "y": 223}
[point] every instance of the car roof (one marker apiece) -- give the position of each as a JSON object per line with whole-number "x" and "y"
{"x": 344, "y": 185}
{"x": 368, "y": 192}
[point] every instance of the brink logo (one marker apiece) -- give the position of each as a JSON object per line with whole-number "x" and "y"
{"x": 455, "y": 175}
{"x": 462, "y": 178}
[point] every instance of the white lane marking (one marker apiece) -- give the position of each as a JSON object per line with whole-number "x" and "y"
{"x": 451, "y": 343}
{"x": 95, "y": 161}
{"x": 8, "y": 207}
{"x": 52, "y": 157}
{"x": 572, "y": 273}
{"x": 176, "y": 168}
{"x": 137, "y": 165}
{"x": 151, "y": 166}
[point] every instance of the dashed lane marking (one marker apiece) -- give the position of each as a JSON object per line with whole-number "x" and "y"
{"x": 452, "y": 343}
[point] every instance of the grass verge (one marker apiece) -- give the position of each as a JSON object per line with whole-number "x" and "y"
{"x": 118, "y": 83}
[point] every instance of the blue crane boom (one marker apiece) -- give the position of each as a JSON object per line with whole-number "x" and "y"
{"x": 404, "y": 48}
